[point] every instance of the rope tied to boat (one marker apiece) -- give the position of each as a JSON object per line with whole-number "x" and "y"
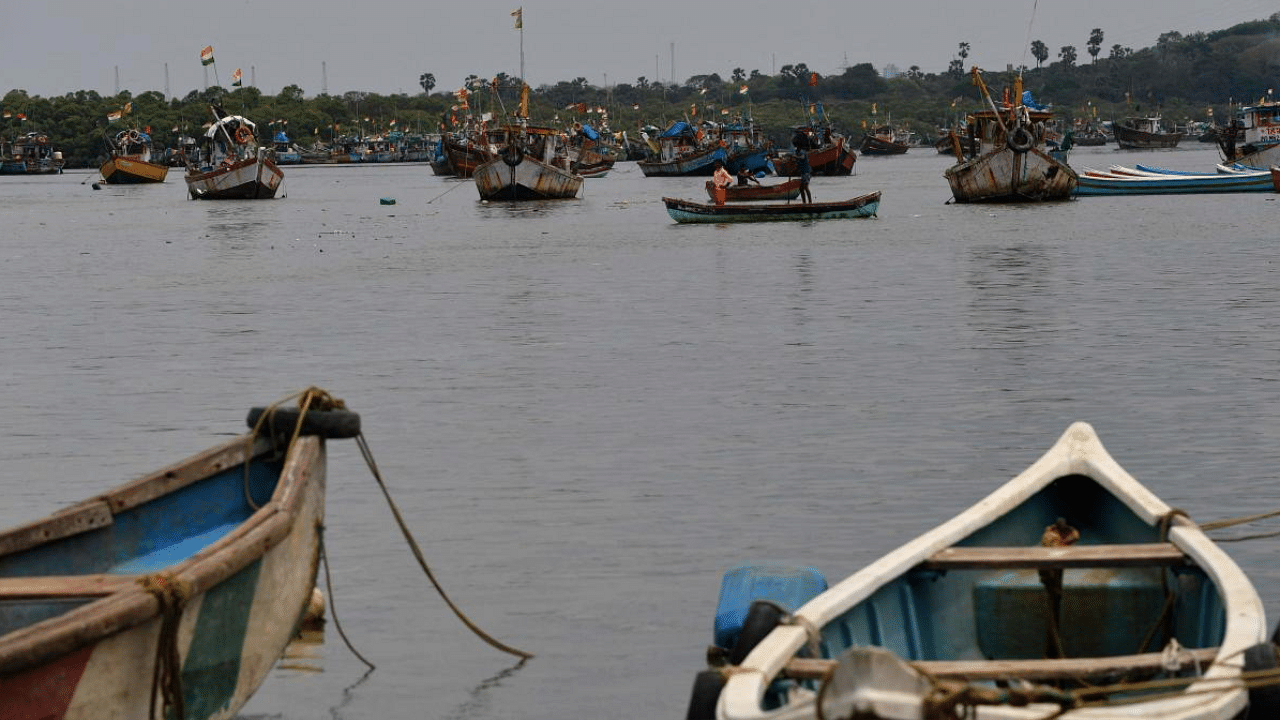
{"x": 309, "y": 399}
{"x": 172, "y": 593}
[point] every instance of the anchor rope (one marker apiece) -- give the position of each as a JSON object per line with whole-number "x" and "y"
{"x": 166, "y": 676}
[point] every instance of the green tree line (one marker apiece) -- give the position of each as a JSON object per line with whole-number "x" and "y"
{"x": 1187, "y": 77}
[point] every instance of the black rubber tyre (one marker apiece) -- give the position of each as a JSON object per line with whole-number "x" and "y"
{"x": 332, "y": 424}
{"x": 706, "y": 693}
{"x": 1264, "y": 701}
{"x": 512, "y": 155}
{"x": 1020, "y": 140}
{"x": 762, "y": 618}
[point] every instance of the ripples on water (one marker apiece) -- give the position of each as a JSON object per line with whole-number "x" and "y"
{"x": 588, "y": 412}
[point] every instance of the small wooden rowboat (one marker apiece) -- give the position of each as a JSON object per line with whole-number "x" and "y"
{"x": 1146, "y": 180}
{"x": 197, "y": 574}
{"x": 688, "y": 211}
{"x": 1071, "y": 592}
{"x": 789, "y": 190}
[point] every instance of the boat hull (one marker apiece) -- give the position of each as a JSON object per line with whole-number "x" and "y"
{"x": 834, "y": 159}
{"x": 687, "y": 211}
{"x": 242, "y": 576}
{"x": 970, "y": 599}
{"x": 789, "y": 190}
{"x": 1004, "y": 175}
{"x": 1119, "y": 182}
{"x": 701, "y": 162}
{"x": 251, "y": 179}
{"x": 119, "y": 170}
{"x": 1129, "y": 138}
{"x": 529, "y": 179}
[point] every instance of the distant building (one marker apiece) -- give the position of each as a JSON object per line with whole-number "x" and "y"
{"x": 890, "y": 71}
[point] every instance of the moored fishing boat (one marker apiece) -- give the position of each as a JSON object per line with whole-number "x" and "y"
{"x": 231, "y": 165}
{"x": 284, "y": 151}
{"x": 681, "y": 151}
{"x": 130, "y": 161}
{"x": 1144, "y": 133}
{"x": 884, "y": 140}
{"x": 788, "y": 190}
{"x": 1253, "y": 138}
{"x": 1011, "y": 163}
{"x": 688, "y": 211}
{"x": 198, "y": 573}
{"x": 1070, "y": 592}
{"x": 828, "y": 152}
{"x": 31, "y": 154}
{"x": 532, "y": 164}
{"x": 1275, "y": 177}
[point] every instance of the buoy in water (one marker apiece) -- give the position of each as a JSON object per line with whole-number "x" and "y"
{"x": 388, "y": 201}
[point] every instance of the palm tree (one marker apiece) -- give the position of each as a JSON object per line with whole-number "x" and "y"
{"x": 1040, "y": 51}
{"x": 427, "y": 81}
{"x": 1095, "y": 43}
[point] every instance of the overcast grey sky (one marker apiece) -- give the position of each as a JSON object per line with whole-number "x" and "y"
{"x": 59, "y": 46}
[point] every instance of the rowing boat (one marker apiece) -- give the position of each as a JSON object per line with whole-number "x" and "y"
{"x": 1147, "y": 180}
{"x": 789, "y": 190}
{"x": 688, "y": 211}
{"x": 172, "y": 595}
{"x": 1071, "y": 592}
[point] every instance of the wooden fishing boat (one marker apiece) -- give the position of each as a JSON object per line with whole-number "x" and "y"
{"x": 1253, "y": 137}
{"x": 884, "y": 140}
{"x": 130, "y": 161}
{"x": 31, "y": 154}
{"x": 681, "y": 151}
{"x": 789, "y": 190}
{"x": 532, "y": 165}
{"x": 284, "y": 151}
{"x": 1012, "y": 162}
{"x": 1071, "y": 582}
{"x": 1147, "y": 180}
{"x": 199, "y": 573}
{"x": 1275, "y": 177}
{"x": 231, "y": 164}
{"x": 688, "y": 211}
{"x": 1144, "y": 133}
{"x": 828, "y": 153}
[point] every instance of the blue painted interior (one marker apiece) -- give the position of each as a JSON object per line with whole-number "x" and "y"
{"x": 142, "y": 539}
{"x": 990, "y": 614}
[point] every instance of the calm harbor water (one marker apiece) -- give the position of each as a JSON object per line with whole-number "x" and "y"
{"x": 587, "y": 413}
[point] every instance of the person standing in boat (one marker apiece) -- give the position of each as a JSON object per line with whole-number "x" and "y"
{"x": 805, "y": 170}
{"x": 721, "y": 179}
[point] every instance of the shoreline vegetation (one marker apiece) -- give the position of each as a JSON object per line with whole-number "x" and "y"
{"x": 1196, "y": 78}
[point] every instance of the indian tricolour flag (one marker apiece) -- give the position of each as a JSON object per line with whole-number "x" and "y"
{"x": 236, "y": 77}
{"x": 206, "y": 55}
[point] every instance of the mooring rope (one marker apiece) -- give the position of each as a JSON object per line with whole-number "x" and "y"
{"x": 422, "y": 561}
{"x": 333, "y": 608}
{"x": 172, "y": 593}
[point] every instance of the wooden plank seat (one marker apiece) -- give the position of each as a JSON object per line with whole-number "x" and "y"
{"x": 1032, "y": 670}
{"x": 1049, "y": 558}
{"x": 63, "y": 586}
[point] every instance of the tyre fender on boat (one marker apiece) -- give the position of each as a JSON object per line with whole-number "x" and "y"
{"x": 1020, "y": 140}
{"x": 762, "y": 618}
{"x": 512, "y": 155}
{"x": 329, "y": 424}
{"x": 707, "y": 686}
{"x": 1264, "y": 700}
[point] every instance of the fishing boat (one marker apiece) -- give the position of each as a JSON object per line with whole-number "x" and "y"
{"x": 532, "y": 165}
{"x": 1012, "y": 162}
{"x": 532, "y": 162}
{"x": 1275, "y": 177}
{"x": 1072, "y": 592}
{"x": 682, "y": 151}
{"x": 688, "y": 211}
{"x": 828, "y": 152}
{"x": 284, "y": 151}
{"x": 884, "y": 140}
{"x": 1144, "y": 133}
{"x": 197, "y": 574}
{"x": 231, "y": 164}
{"x": 31, "y": 154}
{"x": 1253, "y": 138}
{"x": 1149, "y": 180}
{"x": 131, "y": 161}
{"x": 789, "y": 190}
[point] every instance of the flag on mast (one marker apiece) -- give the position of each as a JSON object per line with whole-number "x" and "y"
{"x": 206, "y": 55}
{"x": 518, "y": 14}
{"x": 236, "y": 77}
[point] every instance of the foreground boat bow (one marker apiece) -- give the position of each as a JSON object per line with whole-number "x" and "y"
{"x": 168, "y": 570}
{"x": 1070, "y": 575}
